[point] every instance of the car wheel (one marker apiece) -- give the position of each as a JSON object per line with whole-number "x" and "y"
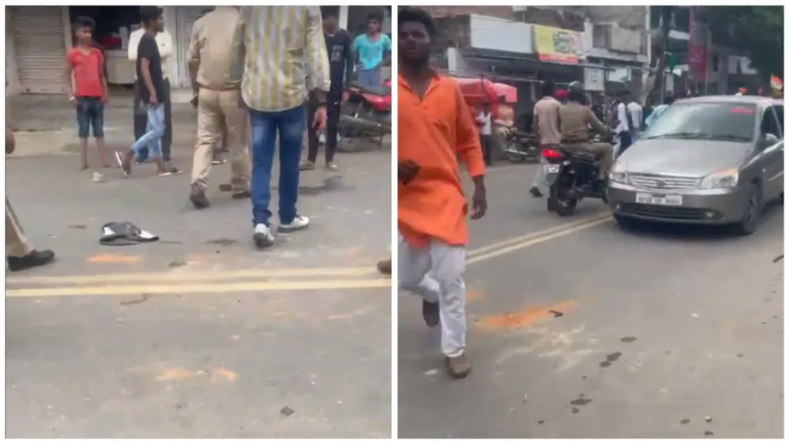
{"x": 751, "y": 213}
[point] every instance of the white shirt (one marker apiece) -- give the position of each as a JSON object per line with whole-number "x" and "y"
{"x": 485, "y": 129}
{"x": 622, "y": 118}
{"x": 165, "y": 42}
{"x": 636, "y": 112}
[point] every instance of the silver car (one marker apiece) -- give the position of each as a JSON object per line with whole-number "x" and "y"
{"x": 706, "y": 160}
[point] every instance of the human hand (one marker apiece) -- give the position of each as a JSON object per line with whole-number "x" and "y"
{"x": 104, "y": 99}
{"x": 407, "y": 171}
{"x": 319, "y": 119}
{"x": 73, "y": 101}
{"x": 479, "y": 202}
{"x": 153, "y": 100}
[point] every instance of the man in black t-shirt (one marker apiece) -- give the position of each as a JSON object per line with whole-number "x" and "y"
{"x": 341, "y": 68}
{"x": 151, "y": 85}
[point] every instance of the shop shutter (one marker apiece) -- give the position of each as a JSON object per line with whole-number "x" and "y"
{"x": 186, "y": 16}
{"x": 40, "y": 46}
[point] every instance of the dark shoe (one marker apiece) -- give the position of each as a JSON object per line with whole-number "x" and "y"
{"x": 198, "y": 197}
{"x": 242, "y": 194}
{"x": 33, "y": 259}
{"x": 385, "y": 266}
{"x": 430, "y": 313}
{"x": 225, "y": 188}
{"x": 535, "y": 192}
{"x": 458, "y": 367}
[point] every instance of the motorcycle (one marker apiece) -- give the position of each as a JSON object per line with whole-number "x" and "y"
{"x": 571, "y": 176}
{"x": 366, "y": 111}
{"x": 520, "y": 147}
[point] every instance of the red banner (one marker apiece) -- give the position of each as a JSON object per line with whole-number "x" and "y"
{"x": 698, "y": 43}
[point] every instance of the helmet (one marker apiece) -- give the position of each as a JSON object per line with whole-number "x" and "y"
{"x": 576, "y": 87}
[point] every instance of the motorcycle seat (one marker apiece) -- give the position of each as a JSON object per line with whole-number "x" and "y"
{"x": 581, "y": 155}
{"x": 376, "y": 91}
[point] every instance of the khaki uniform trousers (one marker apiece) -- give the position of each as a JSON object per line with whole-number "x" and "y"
{"x": 16, "y": 243}
{"x": 603, "y": 152}
{"x": 218, "y": 109}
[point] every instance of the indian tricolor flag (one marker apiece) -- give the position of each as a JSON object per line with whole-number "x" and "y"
{"x": 776, "y": 83}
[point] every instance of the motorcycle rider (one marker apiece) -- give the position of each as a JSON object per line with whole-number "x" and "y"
{"x": 545, "y": 124}
{"x": 575, "y": 123}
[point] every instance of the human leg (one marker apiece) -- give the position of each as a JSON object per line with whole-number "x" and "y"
{"x": 235, "y": 123}
{"x": 207, "y": 132}
{"x": 290, "y": 125}
{"x": 83, "y": 130}
{"x": 263, "y": 127}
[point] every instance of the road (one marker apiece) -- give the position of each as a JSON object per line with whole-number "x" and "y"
{"x": 589, "y": 331}
{"x": 199, "y": 335}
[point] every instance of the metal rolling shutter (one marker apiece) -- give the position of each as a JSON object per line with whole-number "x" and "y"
{"x": 39, "y": 40}
{"x": 186, "y": 16}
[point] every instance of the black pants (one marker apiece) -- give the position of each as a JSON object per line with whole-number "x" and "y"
{"x": 485, "y": 144}
{"x": 141, "y": 120}
{"x": 332, "y": 118}
{"x": 625, "y": 141}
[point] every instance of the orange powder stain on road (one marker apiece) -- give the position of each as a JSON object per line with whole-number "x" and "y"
{"x": 114, "y": 259}
{"x": 474, "y": 294}
{"x": 527, "y": 317}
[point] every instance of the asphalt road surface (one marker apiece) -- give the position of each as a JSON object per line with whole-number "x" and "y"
{"x": 199, "y": 335}
{"x": 578, "y": 329}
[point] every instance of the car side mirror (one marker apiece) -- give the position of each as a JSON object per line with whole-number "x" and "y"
{"x": 770, "y": 139}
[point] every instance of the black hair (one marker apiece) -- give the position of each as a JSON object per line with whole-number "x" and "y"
{"x": 548, "y": 88}
{"x": 328, "y": 11}
{"x": 669, "y": 99}
{"x": 623, "y": 94}
{"x": 417, "y": 15}
{"x": 376, "y": 15}
{"x": 574, "y": 95}
{"x": 149, "y": 14}
{"x": 83, "y": 22}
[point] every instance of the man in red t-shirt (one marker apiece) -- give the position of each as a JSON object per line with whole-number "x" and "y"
{"x": 86, "y": 64}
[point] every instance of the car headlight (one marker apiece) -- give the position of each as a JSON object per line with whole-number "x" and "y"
{"x": 618, "y": 174}
{"x": 724, "y": 179}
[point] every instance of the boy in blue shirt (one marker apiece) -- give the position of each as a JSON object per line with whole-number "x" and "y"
{"x": 372, "y": 51}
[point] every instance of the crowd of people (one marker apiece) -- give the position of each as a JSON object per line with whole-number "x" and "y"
{"x": 249, "y": 94}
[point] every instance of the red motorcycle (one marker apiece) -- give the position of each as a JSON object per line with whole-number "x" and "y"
{"x": 366, "y": 110}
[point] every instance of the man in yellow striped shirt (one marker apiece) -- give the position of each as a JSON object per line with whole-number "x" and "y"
{"x": 283, "y": 51}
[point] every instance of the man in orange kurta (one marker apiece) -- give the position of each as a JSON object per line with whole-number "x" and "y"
{"x": 435, "y": 128}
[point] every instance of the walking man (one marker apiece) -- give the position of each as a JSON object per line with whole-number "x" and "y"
{"x": 19, "y": 253}
{"x": 86, "y": 64}
{"x": 274, "y": 88}
{"x": 150, "y": 84}
{"x": 484, "y": 124}
{"x": 164, "y": 42}
{"x": 373, "y": 50}
{"x": 622, "y": 121}
{"x": 435, "y": 129}
{"x": 546, "y": 125}
{"x": 218, "y": 84}
{"x": 341, "y": 67}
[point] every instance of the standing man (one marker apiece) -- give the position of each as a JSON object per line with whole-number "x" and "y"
{"x": 622, "y": 122}
{"x": 218, "y": 84}
{"x": 341, "y": 67}
{"x": 164, "y": 43}
{"x": 484, "y": 123}
{"x": 150, "y": 84}
{"x": 435, "y": 129}
{"x": 19, "y": 253}
{"x": 546, "y": 125}
{"x": 274, "y": 88}
{"x": 373, "y": 50}
{"x": 86, "y": 64}
{"x": 659, "y": 110}
{"x": 636, "y": 113}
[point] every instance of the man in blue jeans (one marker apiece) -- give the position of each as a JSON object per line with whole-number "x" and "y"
{"x": 274, "y": 90}
{"x": 373, "y": 50}
{"x": 150, "y": 83}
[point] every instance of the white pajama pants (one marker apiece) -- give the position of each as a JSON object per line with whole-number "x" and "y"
{"x": 434, "y": 273}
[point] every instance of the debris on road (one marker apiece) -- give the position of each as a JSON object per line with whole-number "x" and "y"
{"x": 779, "y": 258}
{"x": 287, "y": 411}
{"x": 628, "y": 339}
{"x": 143, "y": 298}
{"x": 176, "y": 263}
{"x": 556, "y": 314}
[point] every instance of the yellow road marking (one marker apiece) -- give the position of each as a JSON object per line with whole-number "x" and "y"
{"x": 191, "y": 276}
{"x": 603, "y": 216}
{"x": 531, "y": 241}
{"x": 217, "y": 288}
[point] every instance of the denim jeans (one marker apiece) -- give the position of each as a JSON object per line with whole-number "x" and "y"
{"x": 90, "y": 115}
{"x": 370, "y": 78}
{"x": 265, "y": 127}
{"x": 154, "y": 130}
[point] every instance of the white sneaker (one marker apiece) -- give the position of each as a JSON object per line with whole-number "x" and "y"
{"x": 299, "y": 223}
{"x": 263, "y": 236}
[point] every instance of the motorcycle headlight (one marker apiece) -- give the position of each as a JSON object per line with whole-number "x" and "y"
{"x": 724, "y": 179}
{"x": 618, "y": 173}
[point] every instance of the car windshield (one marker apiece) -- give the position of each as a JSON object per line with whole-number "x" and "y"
{"x": 705, "y": 121}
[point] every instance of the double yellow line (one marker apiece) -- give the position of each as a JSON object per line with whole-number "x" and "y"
{"x": 531, "y": 239}
{"x": 194, "y": 282}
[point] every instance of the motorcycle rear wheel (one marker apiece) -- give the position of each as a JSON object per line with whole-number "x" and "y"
{"x": 560, "y": 206}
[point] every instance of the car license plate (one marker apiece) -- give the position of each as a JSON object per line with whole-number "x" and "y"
{"x": 659, "y": 199}
{"x": 552, "y": 168}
